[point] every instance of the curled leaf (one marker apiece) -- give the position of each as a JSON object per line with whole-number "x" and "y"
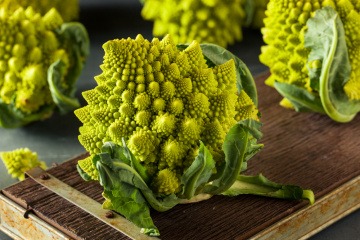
{"x": 326, "y": 39}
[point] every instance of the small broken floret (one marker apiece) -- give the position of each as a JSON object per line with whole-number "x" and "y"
{"x": 18, "y": 161}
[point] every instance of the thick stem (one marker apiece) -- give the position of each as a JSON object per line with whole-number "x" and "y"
{"x": 197, "y": 198}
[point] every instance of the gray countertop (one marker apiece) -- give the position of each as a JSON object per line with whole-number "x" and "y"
{"x": 55, "y": 140}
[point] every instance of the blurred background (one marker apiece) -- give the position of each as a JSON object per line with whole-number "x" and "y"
{"x": 55, "y": 140}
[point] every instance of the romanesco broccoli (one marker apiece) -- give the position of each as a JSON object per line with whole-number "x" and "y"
{"x": 21, "y": 160}
{"x": 168, "y": 124}
{"x": 163, "y": 101}
{"x": 214, "y": 21}
{"x": 41, "y": 58}
{"x": 68, "y": 9}
{"x": 313, "y": 52}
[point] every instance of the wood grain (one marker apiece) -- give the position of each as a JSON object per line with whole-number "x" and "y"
{"x": 304, "y": 149}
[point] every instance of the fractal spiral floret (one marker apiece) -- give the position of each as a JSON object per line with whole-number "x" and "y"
{"x": 68, "y": 9}
{"x": 20, "y": 160}
{"x": 163, "y": 101}
{"x": 169, "y": 124}
{"x": 214, "y": 21}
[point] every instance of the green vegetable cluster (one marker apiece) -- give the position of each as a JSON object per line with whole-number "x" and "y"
{"x": 168, "y": 124}
{"x": 313, "y": 52}
{"x": 20, "y": 160}
{"x": 207, "y": 21}
{"x": 68, "y": 9}
{"x": 41, "y": 58}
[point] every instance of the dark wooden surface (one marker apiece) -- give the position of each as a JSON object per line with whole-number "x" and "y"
{"x": 304, "y": 149}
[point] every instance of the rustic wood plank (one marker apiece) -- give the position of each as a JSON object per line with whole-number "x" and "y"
{"x": 60, "y": 213}
{"x": 305, "y": 149}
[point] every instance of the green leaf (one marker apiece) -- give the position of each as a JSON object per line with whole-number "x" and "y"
{"x": 198, "y": 173}
{"x": 260, "y": 185}
{"x": 62, "y": 77}
{"x": 252, "y": 149}
{"x": 216, "y": 55}
{"x": 75, "y": 39}
{"x": 121, "y": 193}
{"x": 59, "y": 95}
{"x": 12, "y": 117}
{"x": 119, "y": 171}
{"x": 326, "y": 39}
{"x": 136, "y": 164}
{"x": 236, "y": 148}
{"x": 129, "y": 201}
{"x": 124, "y": 185}
{"x": 301, "y": 99}
{"x": 116, "y": 152}
{"x": 83, "y": 174}
{"x": 113, "y": 171}
{"x": 245, "y": 81}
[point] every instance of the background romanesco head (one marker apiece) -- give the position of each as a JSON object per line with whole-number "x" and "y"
{"x": 41, "y": 58}
{"x": 285, "y": 52}
{"x": 215, "y": 21}
{"x": 162, "y": 101}
{"x": 18, "y": 161}
{"x": 68, "y": 9}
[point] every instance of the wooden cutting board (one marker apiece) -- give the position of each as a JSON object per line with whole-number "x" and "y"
{"x": 304, "y": 149}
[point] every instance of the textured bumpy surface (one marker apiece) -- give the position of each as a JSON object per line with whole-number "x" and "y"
{"x": 69, "y": 9}
{"x": 41, "y": 58}
{"x": 285, "y": 52}
{"x": 21, "y": 160}
{"x": 215, "y": 21}
{"x": 162, "y": 101}
{"x": 28, "y": 46}
{"x": 321, "y": 167}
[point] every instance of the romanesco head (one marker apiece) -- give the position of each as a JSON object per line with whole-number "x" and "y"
{"x": 40, "y": 60}
{"x": 18, "y": 161}
{"x": 215, "y": 21}
{"x": 68, "y": 9}
{"x": 285, "y": 53}
{"x": 162, "y": 101}
{"x": 26, "y": 48}
{"x": 207, "y": 21}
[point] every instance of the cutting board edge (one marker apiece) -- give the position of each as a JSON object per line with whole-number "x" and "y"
{"x": 15, "y": 225}
{"x": 299, "y": 225}
{"x": 325, "y": 211}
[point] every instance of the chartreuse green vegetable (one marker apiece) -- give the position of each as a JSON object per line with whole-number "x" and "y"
{"x": 169, "y": 124}
{"x": 41, "y": 58}
{"x": 255, "y": 13}
{"x": 313, "y": 52}
{"x": 20, "y": 160}
{"x": 68, "y": 9}
{"x": 207, "y": 21}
